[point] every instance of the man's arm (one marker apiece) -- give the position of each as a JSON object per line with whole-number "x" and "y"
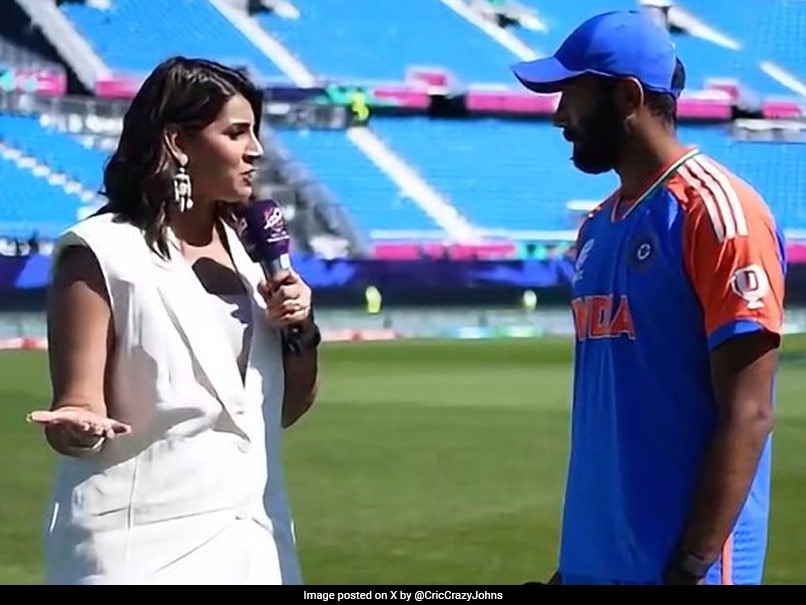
{"x": 301, "y": 376}
{"x": 742, "y": 371}
{"x": 735, "y": 263}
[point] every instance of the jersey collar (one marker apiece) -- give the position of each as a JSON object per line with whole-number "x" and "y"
{"x": 660, "y": 177}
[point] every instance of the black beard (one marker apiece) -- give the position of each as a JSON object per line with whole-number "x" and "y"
{"x": 598, "y": 140}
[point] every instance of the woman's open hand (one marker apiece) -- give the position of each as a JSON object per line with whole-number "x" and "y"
{"x": 78, "y": 427}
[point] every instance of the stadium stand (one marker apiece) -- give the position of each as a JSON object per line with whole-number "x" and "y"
{"x": 132, "y": 36}
{"x": 524, "y": 189}
{"x": 352, "y": 179}
{"x": 58, "y": 150}
{"x": 709, "y": 46}
{"x": 504, "y": 178}
{"x": 32, "y": 199}
{"x": 368, "y": 41}
{"x": 767, "y": 34}
{"x": 14, "y": 55}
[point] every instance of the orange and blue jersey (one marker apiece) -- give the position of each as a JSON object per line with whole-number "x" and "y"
{"x": 659, "y": 282}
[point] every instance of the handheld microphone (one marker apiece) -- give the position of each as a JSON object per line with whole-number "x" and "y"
{"x": 262, "y": 230}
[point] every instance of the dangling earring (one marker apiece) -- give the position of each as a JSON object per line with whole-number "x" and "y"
{"x": 182, "y": 189}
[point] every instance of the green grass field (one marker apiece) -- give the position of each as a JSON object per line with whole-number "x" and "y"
{"x": 422, "y": 463}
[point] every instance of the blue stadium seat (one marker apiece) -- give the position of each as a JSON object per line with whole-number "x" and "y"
{"x": 500, "y": 174}
{"x": 703, "y": 59}
{"x": 516, "y": 175}
{"x": 354, "y": 181}
{"x": 58, "y": 150}
{"x": 378, "y": 39}
{"x": 30, "y": 204}
{"x": 770, "y": 31}
{"x": 135, "y": 35}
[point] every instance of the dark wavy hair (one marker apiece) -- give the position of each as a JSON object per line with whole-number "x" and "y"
{"x": 180, "y": 92}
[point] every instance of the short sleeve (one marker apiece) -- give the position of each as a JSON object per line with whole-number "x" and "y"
{"x": 734, "y": 258}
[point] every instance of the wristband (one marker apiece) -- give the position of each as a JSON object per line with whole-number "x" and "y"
{"x": 691, "y": 565}
{"x": 313, "y": 338}
{"x": 302, "y": 338}
{"x": 307, "y": 339}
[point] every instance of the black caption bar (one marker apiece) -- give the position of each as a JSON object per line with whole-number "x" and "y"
{"x": 411, "y": 594}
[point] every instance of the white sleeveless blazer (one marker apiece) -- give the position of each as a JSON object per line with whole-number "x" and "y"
{"x": 195, "y": 494}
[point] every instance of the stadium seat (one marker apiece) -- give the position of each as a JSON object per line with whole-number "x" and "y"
{"x": 503, "y": 175}
{"x": 367, "y": 40}
{"x": 58, "y": 150}
{"x": 29, "y": 203}
{"x": 771, "y": 32}
{"x": 354, "y": 181}
{"x": 135, "y": 35}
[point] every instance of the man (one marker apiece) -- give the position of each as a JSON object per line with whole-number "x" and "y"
{"x": 677, "y": 301}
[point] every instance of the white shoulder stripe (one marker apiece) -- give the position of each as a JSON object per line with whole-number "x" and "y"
{"x": 718, "y": 222}
{"x": 708, "y": 183}
{"x": 730, "y": 193}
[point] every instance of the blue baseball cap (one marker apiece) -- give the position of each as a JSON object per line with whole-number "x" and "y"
{"x": 616, "y": 44}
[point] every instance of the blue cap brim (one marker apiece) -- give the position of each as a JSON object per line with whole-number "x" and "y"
{"x": 543, "y": 75}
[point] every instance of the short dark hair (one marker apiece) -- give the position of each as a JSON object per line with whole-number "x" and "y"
{"x": 183, "y": 92}
{"x": 663, "y": 105}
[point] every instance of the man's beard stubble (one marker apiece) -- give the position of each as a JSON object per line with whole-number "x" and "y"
{"x": 599, "y": 139}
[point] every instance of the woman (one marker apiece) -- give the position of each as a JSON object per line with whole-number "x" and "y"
{"x": 170, "y": 381}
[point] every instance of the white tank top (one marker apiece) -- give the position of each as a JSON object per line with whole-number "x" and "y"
{"x": 235, "y": 311}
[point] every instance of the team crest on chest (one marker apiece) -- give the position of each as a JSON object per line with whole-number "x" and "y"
{"x": 641, "y": 252}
